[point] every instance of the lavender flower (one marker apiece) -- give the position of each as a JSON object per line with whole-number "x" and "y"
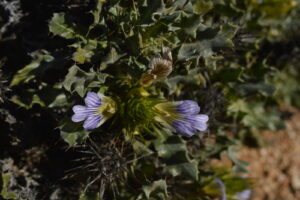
{"x": 244, "y": 195}
{"x": 182, "y": 117}
{"x": 222, "y": 188}
{"x": 97, "y": 109}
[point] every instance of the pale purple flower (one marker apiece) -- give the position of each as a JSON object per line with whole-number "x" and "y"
{"x": 182, "y": 117}
{"x": 222, "y": 188}
{"x": 244, "y": 195}
{"x": 97, "y": 109}
{"x": 188, "y": 107}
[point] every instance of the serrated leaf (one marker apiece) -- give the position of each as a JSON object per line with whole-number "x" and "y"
{"x": 190, "y": 25}
{"x": 238, "y": 106}
{"x": 46, "y": 96}
{"x": 228, "y": 75}
{"x": 260, "y": 116}
{"x": 110, "y": 58}
{"x": 77, "y": 80}
{"x": 188, "y": 169}
{"x": 28, "y": 100}
{"x": 202, "y": 7}
{"x": 151, "y": 8}
{"x": 73, "y": 133}
{"x": 58, "y": 26}
{"x": 198, "y": 49}
{"x": 157, "y": 190}
{"x": 96, "y": 13}
{"x": 240, "y": 164}
{"x": 26, "y": 74}
{"x": 140, "y": 148}
{"x": 82, "y": 55}
{"x": 175, "y": 155}
{"x": 205, "y": 48}
{"x": 169, "y": 148}
{"x": 254, "y": 88}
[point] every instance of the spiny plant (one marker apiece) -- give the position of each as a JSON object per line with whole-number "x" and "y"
{"x": 155, "y": 76}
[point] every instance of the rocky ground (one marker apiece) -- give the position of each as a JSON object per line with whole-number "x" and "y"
{"x": 275, "y": 168}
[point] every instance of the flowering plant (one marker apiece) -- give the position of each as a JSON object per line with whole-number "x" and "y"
{"x": 143, "y": 95}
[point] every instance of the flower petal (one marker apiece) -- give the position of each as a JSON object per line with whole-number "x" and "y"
{"x": 202, "y": 118}
{"x": 83, "y": 110}
{"x": 222, "y": 188}
{"x": 81, "y": 113}
{"x": 92, "y": 122}
{"x": 78, "y": 118}
{"x": 188, "y": 107}
{"x": 200, "y": 126}
{"x": 184, "y": 128}
{"x": 244, "y": 195}
{"x": 168, "y": 107}
{"x": 92, "y": 100}
{"x": 78, "y": 109}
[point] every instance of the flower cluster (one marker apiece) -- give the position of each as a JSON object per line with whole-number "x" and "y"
{"x": 182, "y": 117}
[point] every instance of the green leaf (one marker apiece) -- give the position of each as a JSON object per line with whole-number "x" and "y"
{"x": 4, "y": 191}
{"x": 152, "y": 7}
{"x": 79, "y": 80}
{"x": 169, "y": 148}
{"x": 85, "y": 51}
{"x": 241, "y": 165}
{"x": 202, "y": 7}
{"x": 189, "y": 51}
{"x": 188, "y": 169}
{"x": 190, "y": 25}
{"x": 228, "y": 75}
{"x": 157, "y": 190}
{"x": 175, "y": 155}
{"x": 82, "y": 55}
{"x": 247, "y": 89}
{"x": 73, "y": 133}
{"x": 46, "y": 96}
{"x": 238, "y": 106}
{"x": 59, "y": 26}
{"x": 90, "y": 196}
{"x": 141, "y": 148}
{"x": 110, "y": 58}
{"x": 96, "y": 13}
{"x": 28, "y": 99}
{"x": 205, "y": 47}
{"x": 260, "y": 116}
{"x": 26, "y": 74}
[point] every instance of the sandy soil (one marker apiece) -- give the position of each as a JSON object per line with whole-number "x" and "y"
{"x": 275, "y": 168}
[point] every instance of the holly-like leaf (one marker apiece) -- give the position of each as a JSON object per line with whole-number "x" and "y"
{"x": 156, "y": 190}
{"x": 78, "y": 80}
{"x": 46, "y": 96}
{"x": 26, "y": 74}
{"x": 59, "y": 26}
{"x": 72, "y": 133}
{"x": 247, "y": 89}
{"x": 111, "y": 58}
{"x": 205, "y": 47}
{"x": 175, "y": 155}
